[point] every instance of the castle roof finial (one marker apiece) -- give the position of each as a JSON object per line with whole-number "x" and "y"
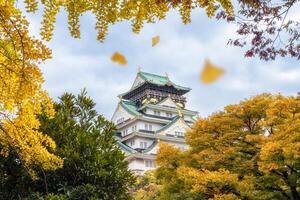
{"x": 139, "y": 69}
{"x": 179, "y": 112}
{"x": 120, "y": 98}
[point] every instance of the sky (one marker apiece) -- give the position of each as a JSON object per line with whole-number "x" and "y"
{"x": 181, "y": 53}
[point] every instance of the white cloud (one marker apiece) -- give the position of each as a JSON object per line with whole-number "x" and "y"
{"x": 181, "y": 53}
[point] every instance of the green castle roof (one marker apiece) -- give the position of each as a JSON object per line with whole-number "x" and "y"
{"x": 126, "y": 148}
{"x": 174, "y": 120}
{"x": 160, "y": 80}
{"x": 130, "y": 107}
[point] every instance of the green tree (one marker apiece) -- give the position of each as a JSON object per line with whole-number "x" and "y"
{"x": 248, "y": 151}
{"x": 94, "y": 166}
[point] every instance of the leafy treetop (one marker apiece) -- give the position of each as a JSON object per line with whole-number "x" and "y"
{"x": 248, "y": 151}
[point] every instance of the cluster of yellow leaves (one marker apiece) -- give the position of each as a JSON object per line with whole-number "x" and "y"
{"x": 249, "y": 150}
{"x": 201, "y": 179}
{"x": 21, "y": 95}
{"x": 146, "y": 187}
{"x": 283, "y": 124}
{"x": 108, "y": 12}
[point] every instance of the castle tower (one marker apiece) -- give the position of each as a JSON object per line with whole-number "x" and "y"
{"x": 152, "y": 110}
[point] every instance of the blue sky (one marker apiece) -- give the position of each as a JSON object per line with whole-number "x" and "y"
{"x": 85, "y": 63}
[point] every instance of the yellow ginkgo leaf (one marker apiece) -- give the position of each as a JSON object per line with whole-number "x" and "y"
{"x": 210, "y": 73}
{"x": 119, "y": 58}
{"x": 155, "y": 40}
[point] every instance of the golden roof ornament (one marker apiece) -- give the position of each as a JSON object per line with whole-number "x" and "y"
{"x": 120, "y": 98}
{"x": 179, "y": 112}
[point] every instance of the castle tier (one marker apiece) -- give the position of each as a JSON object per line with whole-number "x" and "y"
{"x": 152, "y": 111}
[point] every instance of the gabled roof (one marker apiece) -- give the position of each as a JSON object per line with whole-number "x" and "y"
{"x": 171, "y": 109}
{"x": 154, "y": 144}
{"x": 167, "y": 99}
{"x": 160, "y": 80}
{"x": 130, "y": 107}
{"x": 175, "y": 119}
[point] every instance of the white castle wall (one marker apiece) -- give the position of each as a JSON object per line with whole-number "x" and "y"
{"x": 140, "y": 165}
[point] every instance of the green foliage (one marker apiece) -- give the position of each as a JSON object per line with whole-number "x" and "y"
{"x": 94, "y": 167}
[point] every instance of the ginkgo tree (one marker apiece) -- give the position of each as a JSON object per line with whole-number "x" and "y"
{"x": 21, "y": 95}
{"x": 250, "y": 150}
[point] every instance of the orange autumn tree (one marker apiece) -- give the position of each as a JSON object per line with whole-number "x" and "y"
{"x": 250, "y": 150}
{"x": 21, "y": 95}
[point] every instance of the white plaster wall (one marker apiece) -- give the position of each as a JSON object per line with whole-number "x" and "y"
{"x": 154, "y": 150}
{"x": 155, "y": 126}
{"x": 138, "y": 140}
{"x": 140, "y": 125}
{"x": 120, "y": 113}
{"x": 139, "y": 164}
{"x": 176, "y": 127}
{"x": 188, "y": 117}
{"x": 149, "y": 111}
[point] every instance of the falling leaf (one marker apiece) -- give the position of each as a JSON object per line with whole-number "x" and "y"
{"x": 155, "y": 40}
{"x": 119, "y": 58}
{"x": 210, "y": 73}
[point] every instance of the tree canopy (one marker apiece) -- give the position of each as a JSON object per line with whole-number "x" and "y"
{"x": 94, "y": 166}
{"x": 250, "y": 150}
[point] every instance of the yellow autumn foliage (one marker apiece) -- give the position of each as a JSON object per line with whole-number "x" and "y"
{"x": 250, "y": 150}
{"x": 109, "y": 12}
{"x": 201, "y": 179}
{"x": 21, "y": 95}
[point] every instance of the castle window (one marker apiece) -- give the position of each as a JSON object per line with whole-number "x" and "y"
{"x": 156, "y": 112}
{"x": 143, "y": 145}
{"x": 148, "y": 127}
{"x": 178, "y": 133}
{"x": 132, "y": 142}
{"x": 169, "y": 114}
{"x": 149, "y": 163}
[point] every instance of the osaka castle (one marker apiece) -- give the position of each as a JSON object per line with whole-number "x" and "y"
{"x": 152, "y": 111}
